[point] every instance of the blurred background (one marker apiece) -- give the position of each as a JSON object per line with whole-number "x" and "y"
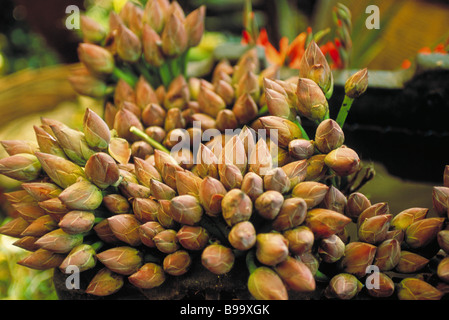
{"x": 37, "y": 52}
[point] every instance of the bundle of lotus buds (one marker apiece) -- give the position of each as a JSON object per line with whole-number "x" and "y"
{"x": 209, "y": 173}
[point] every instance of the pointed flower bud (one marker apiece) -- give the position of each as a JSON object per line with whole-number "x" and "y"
{"x": 260, "y": 161}
{"x": 150, "y": 275}
{"x": 206, "y": 162}
{"x": 82, "y": 256}
{"x": 86, "y": 84}
{"x": 145, "y": 172}
{"x": 300, "y": 239}
{"x": 242, "y": 236}
{"x": 15, "y": 227}
{"x": 210, "y": 102}
{"x": 97, "y": 59}
{"x": 41, "y": 191}
{"x": 443, "y": 269}
{"x": 76, "y": 222}
{"x": 281, "y": 129}
{"x": 145, "y": 209}
{"x": 325, "y": 223}
{"x": 147, "y": 232}
{"x": 152, "y": 46}
{"x": 81, "y": 195}
{"x": 58, "y": 241}
{"x": 276, "y": 179}
{"x": 357, "y": 203}
{"x": 334, "y": 200}
{"x": 128, "y": 45}
{"x": 161, "y": 191}
{"x": 388, "y": 255}
{"x": 329, "y": 136}
{"x": 96, "y": 131}
{"x": 278, "y": 104}
{"x": 405, "y": 218}
{"x": 357, "y": 257}
{"x": 292, "y": 214}
{"x": 22, "y": 167}
{"x": 102, "y": 170}
{"x": 252, "y": 185}
{"x": 92, "y": 30}
{"x": 193, "y": 237}
{"x": 440, "y": 199}
{"x": 13, "y": 147}
{"x": 269, "y": 204}
{"x": 296, "y": 275}
{"x": 217, "y": 258}
{"x": 331, "y": 249}
{"x": 301, "y": 149}
{"x": 236, "y": 207}
{"x": 194, "y": 25}
{"x": 343, "y": 161}
{"x": 265, "y": 284}
{"x": 177, "y": 263}
{"x": 417, "y": 289}
{"x": 126, "y": 228}
{"x": 411, "y": 262}
{"x": 186, "y": 209}
{"x": 105, "y": 283}
{"x": 211, "y": 193}
{"x": 188, "y": 183}
{"x": 343, "y": 286}
{"x": 422, "y": 232}
{"x": 296, "y": 172}
{"x": 374, "y": 229}
{"x": 42, "y": 259}
{"x": 166, "y": 241}
{"x": 174, "y": 36}
{"x": 312, "y": 103}
{"x": 245, "y": 109}
{"x": 123, "y": 260}
{"x": 357, "y": 84}
{"x": 230, "y": 176}
{"x": 271, "y": 248}
{"x": 312, "y": 192}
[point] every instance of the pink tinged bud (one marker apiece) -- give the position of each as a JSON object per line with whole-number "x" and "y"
{"x": 357, "y": 84}
{"x": 97, "y": 59}
{"x": 296, "y": 275}
{"x": 271, "y": 248}
{"x": 194, "y": 25}
{"x": 206, "y": 163}
{"x": 388, "y": 255}
{"x": 443, "y": 240}
{"x": 334, "y": 200}
{"x": 27, "y": 243}
{"x": 276, "y": 179}
{"x": 312, "y": 192}
{"x": 92, "y": 30}
{"x": 149, "y": 276}
{"x": 269, "y": 204}
{"x": 417, "y": 289}
{"x": 252, "y": 185}
{"x": 174, "y": 36}
{"x": 126, "y": 228}
{"x": 314, "y": 66}
{"x": 245, "y": 109}
{"x": 325, "y": 223}
{"x": 42, "y": 259}
{"x": 102, "y": 170}
{"x": 166, "y": 241}
{"x": 301, "y": 149}
{"x": 242, "y": 236}
{"x": 373, "y": 210}
{"x": 58, "y": 241}
{"x": 440, "y": 199}
{"x": 300, "y": 240}
{"x": 265, "y": 284}
{"x": 81, "y": 195}
{"x": 82, "y": 256}
{"x": 105, "y": 283}
{"x": 41, "y": 191}
{"x": 154, "y": 15}
{"x": 96, "y": 131}
{"x": 19, "y": 196}
{"x": 423, "y": 232}
{"x": 230, "y": 176}
{"x": 210, "y": 102}
{"x": 311, "y": 101}
{"x": 124, "y": 120}
{"x": 278, "y": 105}
{"x": 124, "y": 92}
{"x": 187, "y": 183}
{"x": 13, "y": 147}
{"x": 226, "y": 91}
{"x": 76, "y": 222}
{"x": 186, "y": 209}
{"x": 331, "y": 249}
{"x": 211, "y": 193}
{"x": 193, "y": 237}
{"x": 152, "y": 46}
{"x": 86, "y": 84}
{"x": 405, "y": 218}
{"x": 357, "y": 257}
{"x": 29, "y": 210}
{"x": 357, "y": 203}
{"x": 23, "y": 167}
{"x": 145, "y": 209}
{"x": 218, "y": 259}
{"x": 236, "y": 207}
{"x": 260, "y": 161}
{"x": 177, "y": 263}
{"x": 385, "y": 287}
{"x": 153, "y": 115}
{"x": 116, "y": 203}
{"x": 161, "y": 191}
{"x": 15, "y": 227}
{"x": 443, "y": 269}
{"x": 343, "y": 161}
{"x": 128, "y": 45}
{"x": 329, "y": 136}
{"x": 411, "y": 262}
{"x": 119, "y": 150}
{"x": 374, "y": 229}
{"x": 281, "y": 129}
{"x": 296, "y": 171}
{"x": 122, "y": 260}
{"x": 145, "y": 172}
{"x": 343, "y": 286}
{"x": 148, "y": 230}
{"x": 54, "y": 207}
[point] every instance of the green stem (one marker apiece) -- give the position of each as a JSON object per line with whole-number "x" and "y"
{"x": 303, "y": 131}
{"x": 263, "y": 110}
{"x": 148, "y": 139}
{"x": 97, "y": 245}
{"x": 183, "y": 62}
{"x": 250, "y": 261}
{"x": 129, "y": 78}
{"x": 145, "y": 72}
{"x": 165, "y": 74}
{"x": 344, "y": 110}
{"x": 174, "y": 66}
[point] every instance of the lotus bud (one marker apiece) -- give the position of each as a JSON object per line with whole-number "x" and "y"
{"x": 406, "y": 217}
{"x": 260, "y": 161}
{"x": 296, "y": 171}
{"x": 278, "y": 104}
{"x": 269, "y": 204}
{"x": 230, "y": 176}
{"x": 248, "y": 84}
{"x": 174, "y": 36}
{"x": 357, "y": 257}
{"x": 300, "y": 239}
{"x": 329, "y": 136}
{"x": 27, "y": 243}
{"x": 373, "y": 210}
{"x": 292, "y": 214}
{"x": 443, "y": 269}
{"x": 105, "y": 283}
{"x": 124, "y": 120}
{"x": 22, "y": 167}
{"x": 13, "y": 147}
{"x": 316, "y": 169}
{"x": 233, "y": 153}
{"x": 206, "y": 162}
{"x": 211, "y": 193}
{"x": 334, "y": 200}
{"x": 301, "y": 149}
{"x": 123, "y": 260}
{"x": 343, "y": 286}
{"x": 312, "y": 192}
{"x": 82, "y": 256}
{"x": 388, "y": 255}
{"x": 422, "y": 232}
{"x": 312, "y": 102}
{"x": 271, "y": 248}
{"x": 145, "y": 172}
{"x": 314, "y": 66}
{"x": 225, "y": 90}
{"x": 119, "y": 150}
{"x": 58, "y": 241}
{"x": 96, "y": 131}
{"x": 411, "y": 262}
{"x": 161, "y": 191}
{"x": 194, "y": 25}
{"x": 281, "y": 129}
{"x": 242, "y": 236}
{"x": 150, "y": 275}
{"x": 97, "y": 59}
{"x": 128, "y": 44}
{"x": 252, "y": 185}
{"x": 245, "y": 109}
{"x": 374, "y": 229}
{"x": 343, "y": 161}
{"x": 217, "y": 258}
{"x": 417, "y": 289}
{"x": 169, "y": 174}
{"x": 54, "y": 207}
{"x": 160, "y": 158}
{"x": 357, "y": 84}
{"x": 236, "y": 207}
{"x": 331, "y": 249}
{"x": 446, "y": 176}
{"x": 81, "y": 195}
{"x": 440, "y": 199}
{"x": 153, "y": 115}
{"x": 145, "y": 209}
{"x": 193, "y": 237}
{"x": 226, "y": 120}
{"x": 92, "y": 31}
{"x": 357, "y": 203}
{"x": 104, "y": 232}
{"x": 210, "y": 102}
{"x": 76, "y": 222}
{"x": 42, "y": 259}
{"x": 265, "y": 284}
{"x": 324, "y": 222}
{"x": 186, "y": 209}
{"x": 148, "y": 230}
{"x": 84, "y": 83}
{"x": 126, "y": 228}
{"x": 152, "y": 46}
{"x": 187, "y": 183}
{"x": 177, "y": 263}
{"x": 296, "y": 275}
{"x": 276, "y": 179}
{"x": 102, "y": 170}
{"x": 116, "y": 203}
{"x": 15, "y": 227}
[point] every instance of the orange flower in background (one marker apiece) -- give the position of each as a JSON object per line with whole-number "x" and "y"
{"x": 331, "y": 49}
{"x": 440, "y": 48}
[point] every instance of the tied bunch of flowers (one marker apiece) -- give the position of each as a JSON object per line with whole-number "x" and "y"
{"x": 143, "y": 194}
